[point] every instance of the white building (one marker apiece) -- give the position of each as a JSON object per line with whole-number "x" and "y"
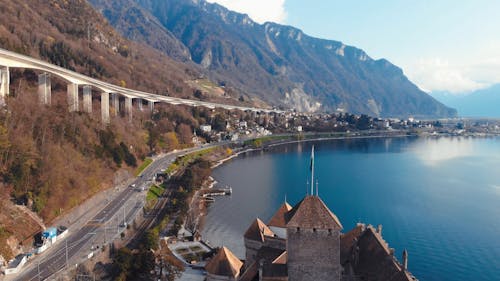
{"x": 206, "y": 128}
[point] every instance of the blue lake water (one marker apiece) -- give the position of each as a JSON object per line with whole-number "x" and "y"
{"x": 437, "y": 197}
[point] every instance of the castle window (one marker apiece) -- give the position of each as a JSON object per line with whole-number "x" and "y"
{"x": 329, "y": 231}
{"x": 298, "y": 229}
{"x": 314, "y": 229}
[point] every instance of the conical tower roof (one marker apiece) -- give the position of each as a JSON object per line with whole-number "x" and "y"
{"x": 279, "y": 218}
{"x": 257, "y": 230}
{"x": 311, "y": 213}
{"x": 225, "y": 263}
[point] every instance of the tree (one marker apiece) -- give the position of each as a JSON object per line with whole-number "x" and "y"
{"x": 151, "y": 239}
{"x": 363, "y": 122}
{"x": 185, "y": 133}
{"x": 153, "y": 135}
{"x": 122, "y": 261}
{"x": 219, "y": 123}
{"x": 198, "y": 94}
{"x": 4, "y": 147}
{"x": 171, "y": 141}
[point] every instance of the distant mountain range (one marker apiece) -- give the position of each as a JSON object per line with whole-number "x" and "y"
{"x": 270, "y": 62}
{"x": 481, "y": 103}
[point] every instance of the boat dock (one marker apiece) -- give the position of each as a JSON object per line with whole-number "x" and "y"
{"x": 210, "y": 193}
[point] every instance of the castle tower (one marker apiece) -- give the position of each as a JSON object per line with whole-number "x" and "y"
{"x": 223, "y": 266}
{"x": 313, "y": 242}
{"x": 277, "y": 223}
{"x": 255, "y": 237}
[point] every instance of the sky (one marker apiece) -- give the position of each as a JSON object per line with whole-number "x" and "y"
{"x": 441, "y": 45}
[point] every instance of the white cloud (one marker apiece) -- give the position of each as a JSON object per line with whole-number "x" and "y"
{"x": 457, "y": 73}
{"x": 440, "y": 75}
{"x": 259, "y": 10}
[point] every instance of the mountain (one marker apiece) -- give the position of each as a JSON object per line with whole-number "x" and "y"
{"x": 480, "y": 103}
{"x": 276, "y": 63}
{"x": 137, "y": 24}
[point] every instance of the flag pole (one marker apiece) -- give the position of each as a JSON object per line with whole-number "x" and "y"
{"x": 312, "y": 170}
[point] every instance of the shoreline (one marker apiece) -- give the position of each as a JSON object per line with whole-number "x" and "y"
{"x": 335, "y": 138}
{"x": 284, "y": 142}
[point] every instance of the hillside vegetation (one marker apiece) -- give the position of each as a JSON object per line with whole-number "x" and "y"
{"x": 71, "y": 34}
{"x": 53, "y": 159}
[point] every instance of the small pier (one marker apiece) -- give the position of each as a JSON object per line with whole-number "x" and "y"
{"x": 210, "y": 193}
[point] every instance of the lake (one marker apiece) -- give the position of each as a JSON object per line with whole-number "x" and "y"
{"x": 437, "y": 197}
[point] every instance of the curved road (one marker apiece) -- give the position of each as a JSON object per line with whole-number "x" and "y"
{"x": 78, "y": 243}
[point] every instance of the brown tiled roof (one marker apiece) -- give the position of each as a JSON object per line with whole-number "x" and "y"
{"x": 279, "y": 218}
{"x": 347, "y": 240}
{"x": 225, "y": 263}
{"x": 282, "y": 259}
{"x": 265, "y": 254}
{"x": 310, "y": 213}
{"x": 258, "y": 230}
{"x": 375, "y": 260}
{"x": 251, "y": 273}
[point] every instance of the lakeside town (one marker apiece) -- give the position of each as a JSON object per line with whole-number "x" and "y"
{"x": 237, "y": 127}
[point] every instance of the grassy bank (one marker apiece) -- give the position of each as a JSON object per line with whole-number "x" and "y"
{"x": 152, "y": 196}
{"x": 183, "y": 161}
{"x": 143, "y": 166}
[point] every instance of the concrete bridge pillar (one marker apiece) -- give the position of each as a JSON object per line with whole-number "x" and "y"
{"x": 87, "y": 98}
{"x": 116, "y": 103}
{"x": 44, "y": 88}
{"x": 151, "y": 105}
{"x": 73, "y": 97}
{"x": 139, "y": 104}
{"x": 128, "y": 106}
{"x": 4, "y": 83}
{"x": 105, "y": 107}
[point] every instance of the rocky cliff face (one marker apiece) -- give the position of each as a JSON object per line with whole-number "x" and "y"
{"x": 279, "y": 64}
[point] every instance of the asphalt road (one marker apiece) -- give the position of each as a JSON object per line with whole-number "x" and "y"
{"x": 79, "y": 242}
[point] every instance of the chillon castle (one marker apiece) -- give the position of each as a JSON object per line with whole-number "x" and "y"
{"x": 306, "y": 243}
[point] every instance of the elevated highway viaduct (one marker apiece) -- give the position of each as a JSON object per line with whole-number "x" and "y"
{"x": 109, "y": 93}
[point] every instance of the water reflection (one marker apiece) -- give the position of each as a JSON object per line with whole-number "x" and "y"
{"x": 434, "y": 151}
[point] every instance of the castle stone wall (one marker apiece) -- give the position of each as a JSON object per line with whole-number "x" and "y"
{"x": 251, "y": 249}
{"x": 212, "y": 277}
{"x": 275, "y": 242}
{"x": 313, "y": 255}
